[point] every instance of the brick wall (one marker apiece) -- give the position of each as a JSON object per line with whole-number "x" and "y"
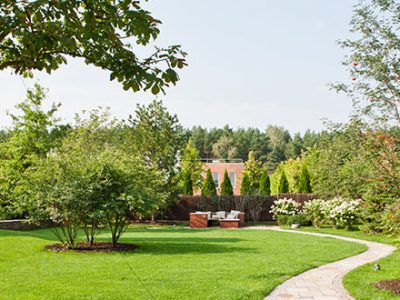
{"x": 220, "y": 167}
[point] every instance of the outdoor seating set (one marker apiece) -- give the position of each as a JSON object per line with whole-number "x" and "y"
{"x": 232, "y": 219}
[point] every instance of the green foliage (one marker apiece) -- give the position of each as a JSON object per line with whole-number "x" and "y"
{"x": 270, "y": 147}
{"x": 29, "y": 141}
{"x": 208, "y": 187}
{"x": 265, "y": 185}
{"x": 91, "y": 180}
{"x": 158, "y": 137}
{"x": 252, "y": 168}
{"x": 292, "y": 169}
{"x": 304, "y": 183}
{"x": 226, "y": 185}
{"x": 245, "y": 188}
{"x": 283, "y": 183}
{"x": 38, "y": 35}
{"x": 191, "y": 164}
{"x": 187, "y": 184}
{"x": 338, "y": 166}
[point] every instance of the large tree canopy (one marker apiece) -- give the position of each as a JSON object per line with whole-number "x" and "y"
{"x": 39, "y": 34}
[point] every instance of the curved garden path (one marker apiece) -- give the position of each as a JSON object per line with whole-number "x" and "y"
{"x": 325, "y": 282}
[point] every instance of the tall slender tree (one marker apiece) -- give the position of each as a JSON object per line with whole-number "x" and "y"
{"x": 245, "y": 188}
{"x": 265, "y": 184}
{"x": 283, "y": 183}
{"x": 226, "y": 185}
{"x": 208, "y": 187}
{"x": 304, "y": 183}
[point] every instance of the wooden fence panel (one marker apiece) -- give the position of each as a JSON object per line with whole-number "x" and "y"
{"x": 187, "y": 204}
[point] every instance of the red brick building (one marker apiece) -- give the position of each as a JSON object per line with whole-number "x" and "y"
{"x": 234, "y": 167}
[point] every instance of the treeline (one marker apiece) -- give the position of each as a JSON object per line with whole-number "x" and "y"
{"x": 270, "y": 146}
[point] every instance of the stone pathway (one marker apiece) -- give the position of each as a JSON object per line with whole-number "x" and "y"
{"x": 325, "y": 282}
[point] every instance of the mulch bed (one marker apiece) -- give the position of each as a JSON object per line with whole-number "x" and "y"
{"x": 96, "y": 247}
{"x": 391, "y": 285}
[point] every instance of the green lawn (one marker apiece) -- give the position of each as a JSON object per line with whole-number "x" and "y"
{"x": 360, "y": 282}
{"x": 171, "y": 263}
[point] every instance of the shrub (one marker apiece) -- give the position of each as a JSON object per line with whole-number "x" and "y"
{"x": 286, "y": 207}
{"x": 343, "y": 213}
{"x": 391, "y": 218}
{"x": 315, "y": 211}
{"x": 300, "y": 219}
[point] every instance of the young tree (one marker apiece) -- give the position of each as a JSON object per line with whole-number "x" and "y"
{"x": 245, "y": 188}
{"x": 226, "y": 185}
{"x": 191, "y": 164}
{"x": 283, "y": 183}
{"x": 253, "y": 169}
{"x": 38, "y": 35}
{"x": 265, "y": 184}
{"x": 29, "y": 141}
{"x": 208, "y": 187}
{"x": 187, "y": 184}
{"x": 304, "y": 183}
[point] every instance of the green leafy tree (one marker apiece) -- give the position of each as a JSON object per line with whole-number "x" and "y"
{"x": 304, "y": 183}
{"x": 191, "y": 164}
{"x": 226, "y": 185}
{"x": 245, "y": 187}
{"x": 187, "y": 184}
{"x": 265, "y": 184}
{"x": 91, "y": 180}
{"x": 253, "y": 169}
{"x": 208, "y": 187}
{"x": 39, "y": 35}
{"x": 29, "y": 141}
{"x": 158, "y": 136}
{"x": 283, "y": 183}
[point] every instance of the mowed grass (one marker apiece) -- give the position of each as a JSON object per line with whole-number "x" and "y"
{"x": 360, "y": 282}
{"x": 170, "y": 263}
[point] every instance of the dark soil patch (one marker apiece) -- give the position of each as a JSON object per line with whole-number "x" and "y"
{"x": 96, "y": 247}
{"x": 391, "y": 285}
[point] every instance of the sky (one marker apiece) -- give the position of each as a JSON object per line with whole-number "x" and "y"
{"x": 251, "y": 63}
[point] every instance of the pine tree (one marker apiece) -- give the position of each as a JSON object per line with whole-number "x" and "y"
{"x": 304, "y": 183}
{"x": 187, "y": 184}
{"x": 226, "y": 186}
{"x": 208, "y": 187}
{"x": 245, "y": 188}
{"x": 283, "y": 183}
{"x": 265, "y": 184}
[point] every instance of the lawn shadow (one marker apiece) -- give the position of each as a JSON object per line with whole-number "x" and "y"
{"x": 185, "y": 245}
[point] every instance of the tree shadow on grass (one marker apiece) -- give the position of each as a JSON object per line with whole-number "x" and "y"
{"x": 155, "y": 245}
{"x": 168, "y": 246}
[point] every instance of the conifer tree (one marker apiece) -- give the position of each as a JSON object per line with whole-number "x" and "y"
{"x": 283, "y": 183}
{"x": 245, "y": 188}
{"x": 208, "y": 187}
{"x": 187, "y": 186}
{"x": 265, "y": 184}
{"x": 226, "y": 185}
{"x": 304, "y": 183}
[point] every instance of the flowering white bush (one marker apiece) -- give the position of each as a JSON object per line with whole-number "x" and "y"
{"x": 316, "y": 211}
{"x": 342, "y": 212}
{"x": 285, "y": 207}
